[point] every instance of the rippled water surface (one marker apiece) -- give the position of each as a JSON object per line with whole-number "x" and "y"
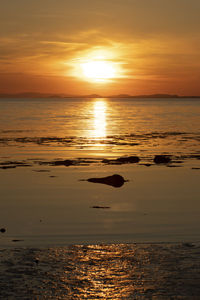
{"x": 111, "y": 126}
{"x": 135, "y": 271}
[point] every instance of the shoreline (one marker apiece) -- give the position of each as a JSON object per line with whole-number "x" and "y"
{"x": 46, "y": 242}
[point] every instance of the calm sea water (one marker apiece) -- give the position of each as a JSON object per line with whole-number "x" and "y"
{"x": 74, "y": 127}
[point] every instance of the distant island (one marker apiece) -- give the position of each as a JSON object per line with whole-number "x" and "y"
{"x": 46, "y": 95}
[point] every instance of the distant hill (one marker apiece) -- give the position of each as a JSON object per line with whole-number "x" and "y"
{"x": 31, "y": 95}
{"x": 159, "y": 96}
{"x": 145, "y": 96}
{"x": 46, "y": 95}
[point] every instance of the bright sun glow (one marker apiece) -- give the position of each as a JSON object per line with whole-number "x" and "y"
{"x": 98, "y": 70}
{"x": 98, "y": 65}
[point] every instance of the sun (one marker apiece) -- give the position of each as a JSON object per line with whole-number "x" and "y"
{"x": 98, "y": 70}
{"x": 100, "y": 65}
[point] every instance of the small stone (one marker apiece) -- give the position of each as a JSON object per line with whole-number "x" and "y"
{"x": 101, "y": 207}
{"x": 15, "y": 241}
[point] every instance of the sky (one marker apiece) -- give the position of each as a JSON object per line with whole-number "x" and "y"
{"x": 105, "y": 47}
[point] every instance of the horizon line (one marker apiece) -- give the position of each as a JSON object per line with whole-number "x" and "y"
{"x": 63, "y": 95}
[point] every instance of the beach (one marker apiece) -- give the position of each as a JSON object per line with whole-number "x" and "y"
{"x": 157, "y": 204}
{"x": 68, "y": 231}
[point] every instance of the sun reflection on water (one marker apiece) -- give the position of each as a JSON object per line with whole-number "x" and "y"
{"x": 99, "y": 119}
{"x": 112, "y": 271}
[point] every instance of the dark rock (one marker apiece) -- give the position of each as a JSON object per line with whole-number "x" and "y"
{"x": 106, "y": 161}
{"x": 189, "y": 245}
{"x": 128, "y": 159}
{"x": 122, "y": 160}
{"x": 67, "y": 162}
{"x": 13, "y": 164}
{"x": 41, "y": 171}
{"x": 2, "y": 230}
{"x": 114, "y": 180}
{"x": 8, "y": 167}
{"x": 195, "y": 156}
{"x": 162, "y": 159}
{"x": 103, "y": 207}
{"x": 17, "y": 241}
{"x": 174, "y": 166}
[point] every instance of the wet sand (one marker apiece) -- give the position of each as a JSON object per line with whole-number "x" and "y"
{"x": 121, "y": 271}
{"x": 53, "y": 205}
{"x": 64, "y": 236}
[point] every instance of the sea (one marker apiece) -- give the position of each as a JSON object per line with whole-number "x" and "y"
{"x": 100, "y": 127}
{"x": 65, "y": 236}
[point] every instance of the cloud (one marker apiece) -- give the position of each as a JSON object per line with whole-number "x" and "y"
{"x": 148, "y": 40}
{"x": 151, "y": 57}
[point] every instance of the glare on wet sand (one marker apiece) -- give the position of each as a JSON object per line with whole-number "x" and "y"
{"x": 125, "y": 271}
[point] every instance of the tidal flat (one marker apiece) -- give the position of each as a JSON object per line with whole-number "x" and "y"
{"x": 54, "y": 205}
{"x": 114, "y": 271}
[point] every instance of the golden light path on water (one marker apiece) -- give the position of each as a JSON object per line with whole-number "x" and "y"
{"x": 99, "y": 119}
{"x": 114, "y": 271}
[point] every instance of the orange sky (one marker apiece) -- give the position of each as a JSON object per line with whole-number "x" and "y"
{"x": 153, "y": 45}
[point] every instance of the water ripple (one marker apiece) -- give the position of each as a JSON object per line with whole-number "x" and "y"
{"x": 134, "y": 271}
